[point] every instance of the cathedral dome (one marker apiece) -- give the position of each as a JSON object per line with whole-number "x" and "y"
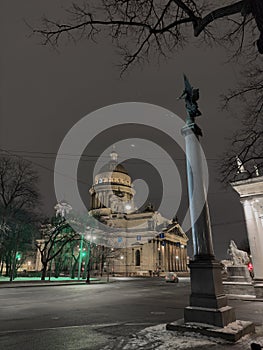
{"x": 113, "y": 166}
{"x": 111, "y": 184}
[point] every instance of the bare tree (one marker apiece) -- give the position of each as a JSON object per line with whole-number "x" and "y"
{"x": 143, "y": 29}
{"x": 246, "y": 143}
{"x": 54, "y": 238}
{"x": 18, "y": 197}
{"x": 18, "y": 182}
{"x": 139, "y": 27}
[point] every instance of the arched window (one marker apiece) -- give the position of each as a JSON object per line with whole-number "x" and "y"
{"x": 137, "y": 258}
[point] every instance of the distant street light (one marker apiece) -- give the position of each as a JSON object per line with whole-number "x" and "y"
{"x": 80, "y": 256}
{"x": 18, "y": 256}
{"x": 91, "y": 240}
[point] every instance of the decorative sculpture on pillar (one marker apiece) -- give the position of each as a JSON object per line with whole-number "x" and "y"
{"x": 62, "y": 208}
{"x": 240, "y": 166}
{"x": 238, "y": 257}
{"x": 191, "y": 96}
{"x": 238, "y": 270}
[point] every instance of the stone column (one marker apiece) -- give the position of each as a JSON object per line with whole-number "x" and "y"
{"x": 255, "y": 237}
{"x": 200, "y": 219}
{"x": 173, "y": 256}
{"x": 181, "y": 258}
{"x": 184, "y": 259}
{"x": 166, "y": 256}
{"x": 208, "y": 303}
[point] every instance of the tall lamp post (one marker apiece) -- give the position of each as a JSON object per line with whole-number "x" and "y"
{"x": 80, "y": 255}
{"x": 90, "y": 240}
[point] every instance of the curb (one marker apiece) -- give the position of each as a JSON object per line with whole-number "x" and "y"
{"x": 48, "y": 284}
{"x": 243, "y": 297}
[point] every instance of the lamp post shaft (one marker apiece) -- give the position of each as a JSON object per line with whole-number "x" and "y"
{"x": 80, "y": 256}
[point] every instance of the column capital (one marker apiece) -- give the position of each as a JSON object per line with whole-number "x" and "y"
{"x": 256, "y": 203}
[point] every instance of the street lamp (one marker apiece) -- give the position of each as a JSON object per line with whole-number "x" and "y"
{"x": 18, "y": 256}
{"x": 90, "y": 239}
{"x": 80, "y": 255}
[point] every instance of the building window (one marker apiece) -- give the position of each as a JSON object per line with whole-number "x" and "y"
{"x": 150, "y": 225}
{"x": 137, "y": 258}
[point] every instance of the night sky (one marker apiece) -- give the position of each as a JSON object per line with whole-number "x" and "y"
{"x": 44, "y": 93}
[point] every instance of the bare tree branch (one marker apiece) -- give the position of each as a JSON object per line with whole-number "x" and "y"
{"x": 148, "y": 24}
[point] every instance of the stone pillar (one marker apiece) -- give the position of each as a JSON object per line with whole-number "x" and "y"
{"x": 181, "y": 259}
{"x": 176, "y": 259}
{"x": 208, "y": 303}
{"x": 170, "y": 257}
{"x": 166, "y": 256}
{"x": 255, "y": 237}
{"x": 200, "y": 219}
{"x": 186, "y": 261}
{"x": 174, "y": 266}
{"x": 162, "y": 257}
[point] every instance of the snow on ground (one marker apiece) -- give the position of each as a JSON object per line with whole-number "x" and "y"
{"x": 157, "y": 337}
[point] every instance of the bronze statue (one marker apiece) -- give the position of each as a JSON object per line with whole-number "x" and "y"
{"x": 191, "y": 96}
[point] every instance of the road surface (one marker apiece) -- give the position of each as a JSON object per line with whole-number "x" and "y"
{"x": 91, "y": 316}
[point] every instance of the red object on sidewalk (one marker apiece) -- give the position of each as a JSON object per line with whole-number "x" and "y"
{"x": 250, "y": 267}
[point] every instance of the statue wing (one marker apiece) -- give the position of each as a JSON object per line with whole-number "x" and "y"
{"x": 187, "y": 86}
{"x": 195, "y": 95}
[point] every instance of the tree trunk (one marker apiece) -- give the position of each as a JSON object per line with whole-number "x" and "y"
{"x": 44, "y": 271}
{"x": 73, "y": 269}
{"x": 2, "y": 266}
{"x": 88, "y": 273}
{"x": 57, "y": 268}
{"x": 12, "y": 267}
{"x": 7, "y": 265}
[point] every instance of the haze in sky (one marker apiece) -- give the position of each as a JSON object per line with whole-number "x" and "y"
{"x": 45, "y": 92}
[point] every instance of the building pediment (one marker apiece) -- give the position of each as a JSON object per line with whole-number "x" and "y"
{"x": 176, "y": 230}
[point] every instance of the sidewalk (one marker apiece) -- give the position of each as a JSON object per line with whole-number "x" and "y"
{"x": 54, "y": 282}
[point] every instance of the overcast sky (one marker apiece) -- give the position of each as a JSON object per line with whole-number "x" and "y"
{"x": 44, "y": 93}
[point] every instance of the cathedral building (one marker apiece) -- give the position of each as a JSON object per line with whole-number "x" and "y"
{"x": 140, "y": 242}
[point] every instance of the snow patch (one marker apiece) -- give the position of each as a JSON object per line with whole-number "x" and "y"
{"x": 158, "y": 338}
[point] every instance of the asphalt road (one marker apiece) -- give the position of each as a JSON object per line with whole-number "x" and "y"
{"x": 92, "y": 316}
